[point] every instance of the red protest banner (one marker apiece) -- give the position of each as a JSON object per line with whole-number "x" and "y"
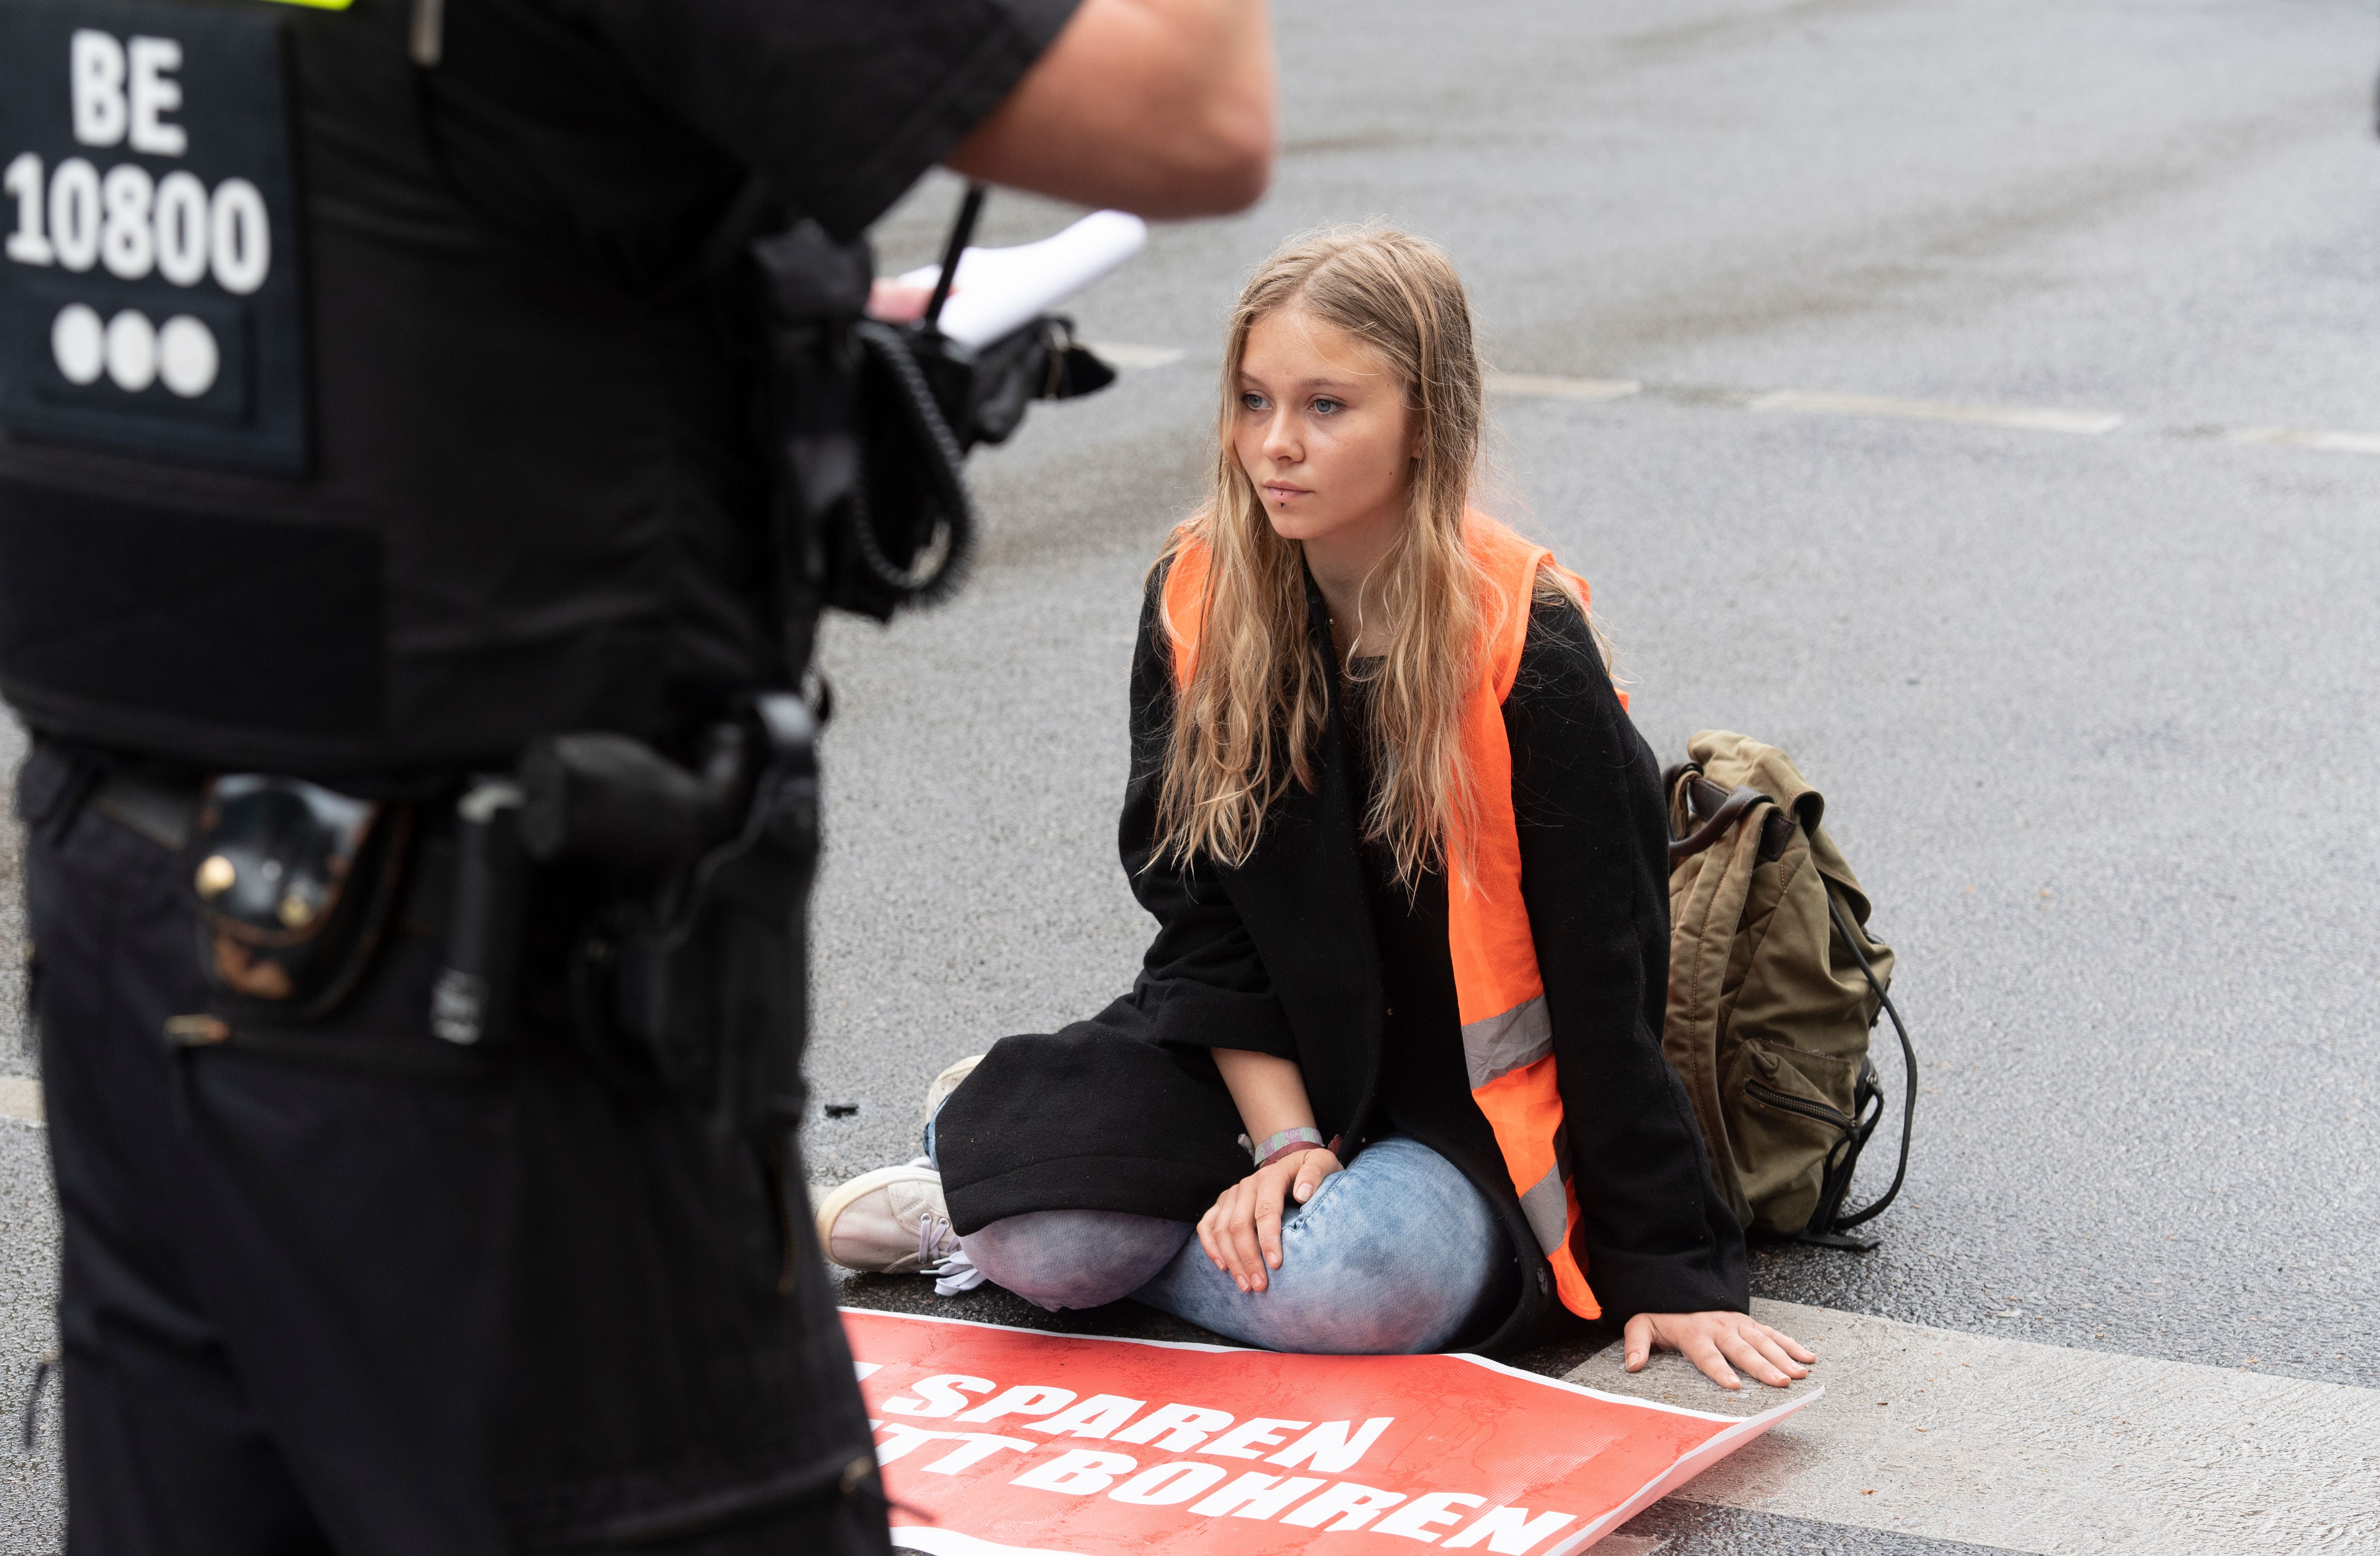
{"x": 1009, "y": 1442}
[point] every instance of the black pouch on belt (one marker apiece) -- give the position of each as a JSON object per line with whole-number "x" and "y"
{"x": 294, "y": 882}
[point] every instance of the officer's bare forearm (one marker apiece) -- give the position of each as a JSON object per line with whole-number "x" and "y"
{"x": 1163, "y": 107}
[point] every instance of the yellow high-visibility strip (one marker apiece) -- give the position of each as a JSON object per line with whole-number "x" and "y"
{"x": 318, "y": 5}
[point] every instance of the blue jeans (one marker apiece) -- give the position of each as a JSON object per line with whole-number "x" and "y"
{"x": 1392, "y": 1255}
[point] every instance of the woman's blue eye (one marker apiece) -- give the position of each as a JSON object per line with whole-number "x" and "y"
{"x": 1252, "y": 402}
{"x": 1325, "y": 407}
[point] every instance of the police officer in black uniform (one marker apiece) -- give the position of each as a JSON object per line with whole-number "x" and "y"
{"x": 381, "y": 398}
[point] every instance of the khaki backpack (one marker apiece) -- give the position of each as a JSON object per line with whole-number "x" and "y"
{"x": 1773, "y": 986}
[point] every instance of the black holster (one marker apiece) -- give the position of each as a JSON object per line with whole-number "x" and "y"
{"x": 713, "y": 969}
{"x": 693, "y": 974}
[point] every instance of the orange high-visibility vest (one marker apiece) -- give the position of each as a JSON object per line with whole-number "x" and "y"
{"x": 1508, "y": 1037}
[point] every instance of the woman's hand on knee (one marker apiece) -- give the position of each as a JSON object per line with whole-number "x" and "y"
{"x": 1711, "y": 1341}
{"x": 1241, "y": 1234}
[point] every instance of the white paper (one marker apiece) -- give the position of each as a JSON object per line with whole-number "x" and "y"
{"x": 998, "y": 289}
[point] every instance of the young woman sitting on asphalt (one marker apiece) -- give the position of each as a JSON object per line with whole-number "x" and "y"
{"x": 1391, "y": 1078}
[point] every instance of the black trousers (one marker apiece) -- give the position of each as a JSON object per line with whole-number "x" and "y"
{"x": 313, "y": 1306}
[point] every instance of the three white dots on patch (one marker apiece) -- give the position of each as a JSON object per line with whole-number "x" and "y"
{"x": 134, "y": 353}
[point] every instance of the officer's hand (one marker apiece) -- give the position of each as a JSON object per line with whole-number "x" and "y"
{"x": 1242, "y": 1232}
{"x": 895, "y": 301}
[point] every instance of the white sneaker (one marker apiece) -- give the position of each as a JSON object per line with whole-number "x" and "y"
{"x": 948, "y": 1082}
{"x": 892, "y": 1221}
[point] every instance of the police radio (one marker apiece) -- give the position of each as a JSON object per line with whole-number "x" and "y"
{"x": 873, "y": 420}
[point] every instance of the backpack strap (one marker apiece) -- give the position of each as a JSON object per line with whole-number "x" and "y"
{"x": 1719, "y": 810}
{"x": 1731, "y": 811}
{"x": 1908, "y": 1055}
{"x": 1703, "y": 937}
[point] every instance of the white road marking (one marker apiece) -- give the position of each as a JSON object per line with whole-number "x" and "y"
{"x": 1124, "y": 354}
{"x": 1802, "y": 402}
{"x": 20, "y": 1098}
{"x": 1542, "y": 386}
{"x": 2031, "y": 418}
{"x": 2295, "y": 437}
{"x": 2004, "y": 1443}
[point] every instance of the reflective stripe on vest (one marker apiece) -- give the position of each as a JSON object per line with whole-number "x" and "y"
{"x": 1507, "y": 1032}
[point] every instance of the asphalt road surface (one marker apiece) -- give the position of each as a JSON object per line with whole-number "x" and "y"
{"x": 2005, "y": 444}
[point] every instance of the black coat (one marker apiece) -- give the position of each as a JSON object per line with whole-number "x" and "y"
{"x": 1127, "y": 1110}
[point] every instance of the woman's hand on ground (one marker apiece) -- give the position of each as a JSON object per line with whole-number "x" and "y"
{"x": 1242, "y": 1232}
{"x": 1710, "y": 1340}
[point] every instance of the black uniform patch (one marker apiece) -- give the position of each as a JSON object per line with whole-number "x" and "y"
{"x": 150, "y": 296}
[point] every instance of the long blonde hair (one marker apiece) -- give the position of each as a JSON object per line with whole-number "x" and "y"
{"x": 1251, "y": 718}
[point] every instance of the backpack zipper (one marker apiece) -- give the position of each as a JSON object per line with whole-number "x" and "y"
{"x": 1761, "y": 1091}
